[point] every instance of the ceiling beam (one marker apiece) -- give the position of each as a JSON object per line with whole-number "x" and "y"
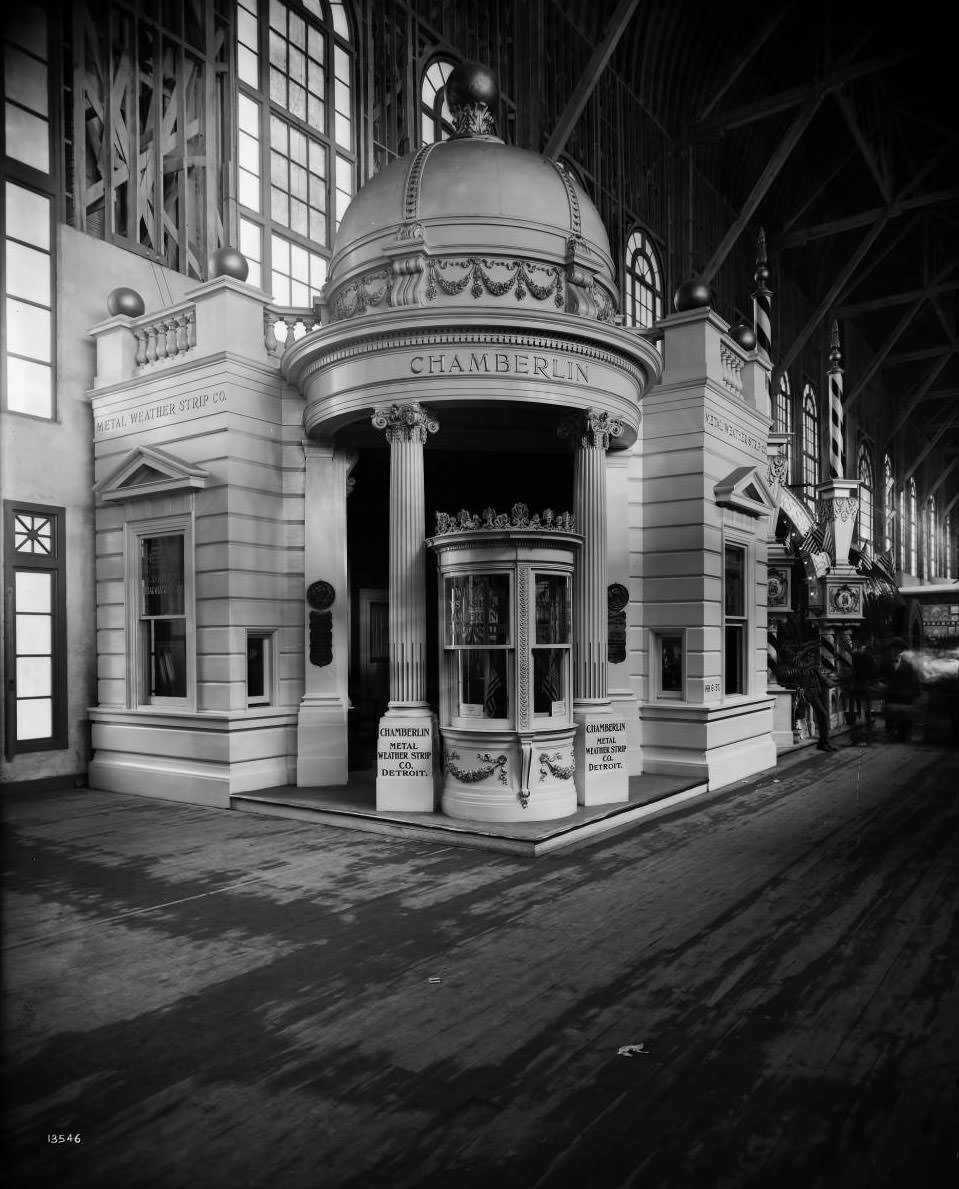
{"x": 905, "y": 229}
{"x": 930, "y": 379}
{"x": 943, "y": 476}
{"x": 948, "y": 508}
{"x": 822, "y": 187}
{"x": 890, "y": 300}
{"x": 865, "y": 148}
{"x": 798, "y": 239}
{"x": 900, "y": 328}
{"x": 816, "y": 320}
{"x": 590, "y": 77}
{"x": 930, "y": 446}
{"x": 717, "y": 126}
{"x": 746, "y": 57}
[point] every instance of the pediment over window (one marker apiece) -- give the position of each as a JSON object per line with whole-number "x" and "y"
{"x": 747, "y": 490}
{"x": 148, "y": 471}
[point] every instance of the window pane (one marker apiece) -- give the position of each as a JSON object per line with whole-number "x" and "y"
{"x": 34, "y": 677}
{"x": 28, "y": 216}
{"x": 35, "y": 718}
{"x": 34, "y": 634}
{"x": 247, "y": 66}
{"x": 167, "y": 658}
{"x": 255, "y": 666}
{"x": 483, "y": 686}
{"x": 27, "y": 138}
{"x": 671, "y": 675}
{"x": 552, "y": 609}
{"x": 33, "y": 591}
{"x": 28, "y": 273}
{"x": 734, "y": 659}
{"x": 549, "y": 681}
{"x": 734, "y": 580}
{"x": 477, "y": 609}
{"x": 28, "y": 330}
{"x": 162, "y": 575}
{"x": 29, "y": 387}
{"x": 26, "y": 80}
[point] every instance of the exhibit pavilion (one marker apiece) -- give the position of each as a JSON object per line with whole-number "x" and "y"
{"x": 461, "y": 401}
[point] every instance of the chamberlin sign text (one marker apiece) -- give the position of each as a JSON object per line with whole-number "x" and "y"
{"x": 503, "y": 363}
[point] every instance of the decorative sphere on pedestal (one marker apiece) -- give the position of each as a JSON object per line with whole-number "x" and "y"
{"x": 229, "y": 262}
{"x": 125, "y": 301}
{"x": 472, "y": 82}
{"x": 692, "y": 295}
{"x": 744, "y": 335}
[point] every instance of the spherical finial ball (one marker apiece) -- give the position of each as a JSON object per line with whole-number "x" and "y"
{"x": 125, "y": 301}
{"x": 472, "y": 82}
{"x": 692, "y": 295}
{"x": 229, "y": 262}
{"x": 744, "y": 335}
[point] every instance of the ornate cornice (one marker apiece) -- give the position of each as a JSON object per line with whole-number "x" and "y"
{"x": 405, "y": 423}
{"x": 591, "y": 429}
{"x": 517, "y": 517}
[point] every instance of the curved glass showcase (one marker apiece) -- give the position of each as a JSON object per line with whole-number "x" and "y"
{"x": 505, "y": 619}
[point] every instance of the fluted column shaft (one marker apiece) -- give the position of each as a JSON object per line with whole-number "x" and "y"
{"x": 590, "y": 434}
{"x": 406, "y": 428}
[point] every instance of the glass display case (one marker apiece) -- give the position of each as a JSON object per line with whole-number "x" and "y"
{"x": 505, "y": 691}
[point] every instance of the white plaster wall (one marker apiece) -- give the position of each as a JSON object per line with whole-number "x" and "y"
{"x": 52, "y": 463}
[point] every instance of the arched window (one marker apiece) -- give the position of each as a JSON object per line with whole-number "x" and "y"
{"x": 783, "y": 417}
{"x": 436, "y": 122}
{"x": 912, "y": 519}
{"x": 810, "y": 443}
{"x": 296, "y": 112}
{"x": 644, "y": 281}
{"x": 866, "y": 489}
{"x": 888, "y": 502}
{"x": 932, "y": 543}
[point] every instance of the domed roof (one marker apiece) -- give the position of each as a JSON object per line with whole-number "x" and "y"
{"x": 468, "y": 221}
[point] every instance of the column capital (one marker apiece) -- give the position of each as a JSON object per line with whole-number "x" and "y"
{"x": 592, "y": 428}
{"x": 405, "y": 423}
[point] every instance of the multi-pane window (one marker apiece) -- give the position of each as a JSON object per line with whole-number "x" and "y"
{"x": 888, "y": 502}
{"x": 735, "y": 678}
{"x": 35, "y": 651}
{"x": 160, "y": 595}
{"x": 644, "y": 281}
{"x": 810, "y": 442}
{"x": 912, "y": 521}
{"x": 27, "y": 302}
{"x": 866, "y": 489}
{"x": 296, "y": 130}
{"x": 932, "y": 543}
{"x": 436, "y": 122}
{"x": 783, "y": 416}
{"x": 25, "y": 90}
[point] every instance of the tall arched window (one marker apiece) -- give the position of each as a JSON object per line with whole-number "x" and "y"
{"x": 644, "y": 281}
{"x": 810, "y": 442}
{"x": 436, "y": 122}
{"x": 297, "y": 140}
{"x": 888, "y": 503}
{"x": 866, "y": 489}
{"x": 932, "y": 542}
{"x": 783, "y": 418}
{"x": 912, "y": 519}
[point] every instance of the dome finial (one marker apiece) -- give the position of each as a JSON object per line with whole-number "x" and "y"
{"x": 472, "y": 93}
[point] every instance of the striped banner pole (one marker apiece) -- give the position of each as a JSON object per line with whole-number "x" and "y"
{"x": 837, "y": 429}
{"x": 762, "y": 298}
{"x": 827, "y": 651}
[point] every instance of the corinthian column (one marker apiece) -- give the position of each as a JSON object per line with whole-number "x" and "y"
{"x": 601, "y": 769}
{"x": 406, "y": 428}
{"x": 590, "y": 434}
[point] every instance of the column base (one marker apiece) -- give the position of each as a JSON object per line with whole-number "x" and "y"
{"x": 321, "y": 743}
{"x": 406, "y": 751}
{"x": 602, "y": 774}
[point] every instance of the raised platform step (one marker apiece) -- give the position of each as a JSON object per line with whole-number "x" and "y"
{"x": 351, "y": 807}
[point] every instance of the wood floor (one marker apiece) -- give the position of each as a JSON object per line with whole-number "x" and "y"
{"x": 219, "y": 999}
